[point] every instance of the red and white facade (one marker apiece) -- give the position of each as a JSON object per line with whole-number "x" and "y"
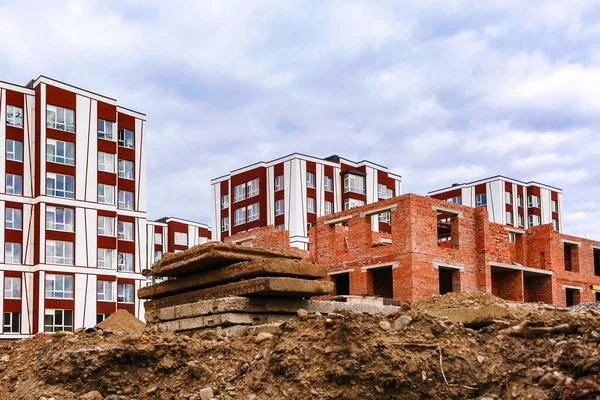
{"x": 172, "y": 235}
{"x": 73, "y": 201}
{"x": 293, "y": 191}
{"x": 509, "y": 201}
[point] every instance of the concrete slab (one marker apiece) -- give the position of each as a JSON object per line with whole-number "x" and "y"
{"x": 259, "y": 305}
{"x": 221, "y": 320}
{"x": 257, "y": 287}
{"x": 273, "y": 267}
{"x": 212, "y": 255}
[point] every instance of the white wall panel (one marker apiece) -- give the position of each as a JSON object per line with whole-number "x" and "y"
{"x": 92, "y": 237}
{"x": 28, "y": 235}
{"x": 2, "y": 239}
{"x": 91, "y": 297}
{"x": 216, "y": 211}
{"x": 149, "y": 245}
{"x": 338, "y": 185}
{"x": 546, "y": 200}
{"x": 91, "y": 194}
{"x": 80, "y": 295}
{"x": 27, "y": 303}
{"x": 82, "y": 127}
{"x": 28, "y": 150}
{"x": 41, "y": 298}
{"x": 495, "y": 201}
{"x": 42, "y": 244}
{"x": 141, "y": 256}
{"x": 560, "y": 219}
{"x": 81, "y": 255}
{"x": 41, "y": 139}
{"x": 270, "y": 196}
{"x": 140, "y": 160}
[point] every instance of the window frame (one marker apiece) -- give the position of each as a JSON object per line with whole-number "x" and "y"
{"x": 51, "y": 293}
{"x": 122, "y": 139}
{"x": 160, "y": 235}
{"x": 9, "y": 255}
{"x": 326, "y": 211}
{"x": 533, "y": 201}
{"x": 349, "y": 200}
{"x": 11, "y": 150}
{"x": 15, "y": 221}
{"x": 12, "y": 121}
{"x": 385, "y": 217}
{"x": 102, "y": 167}
{"x": 532, "y": 220}
{"x": 311, "y": 180}
{"x": 239, "y": 216}
{"x": 279, "y": 183}
{"x": 102, "y": 134}
{"x": 126, "y": 234}
{"x": 125, "y": 257}
{"x": 64, "y": 185}
{"x": 250, "y": 215}
{"x": 179, "y": 242}
{"x": 279, "y": 207}
{"x": 520, "y": 202}
{"x": 122, "y": 298}
{"x": 350, "y": 184}
{"x": 478, "y": 200}
{"x": 107, "y": 289}
{"x": 382, "y": 192}
{"x": 55, "y": 124}
{"x": 160, "y": 254}
{"x": 65, "y": 246}
{"x": 224, "y": 224}
{"x": 239, "y": 192}
{"x": 311, "y": 205}
{"x": 509, "y": 221}
{"x": 508, "y": 197}
{"x": 225, "y": 201}
{"x": 107, "y": 258}
{"x": 54, "y": 157}
{"x": 112, "y": 221}
{"x": 10, "y": 288}
{"x": 104, "y": 198}
{"x": 554, "y": 206}
{"x": 328, "y": 183}
{"x": 53, "y": 313}
{"x": 253, "y": 188}
{"x": 122, "y": 205}
{"x": 19, "y": 179}
{"x": 55, "y": 224}
{"x": 12, "y": 326}
{"x": 123, "y": 172}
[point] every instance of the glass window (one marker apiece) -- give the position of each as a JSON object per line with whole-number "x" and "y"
{"x": 101, "y": 317}
{"x": 512, "y": 237}
{"x": 252, "y": 212}
{"x": 125, "y": 262}
{"x": 12, "y": 253}
{"x": 105, "y": 258}
{"x": 239, "y": 192}
{"x": 106, "y": 226}
{"x": 14, "y": 150}
{"x": 13, "y": 218}
{"x": 310, "y": 180}
{"x": 278, "y": 182}
{"x": 509, "y": 218}
{"x": 106, "y": 291}
{"x": 279, "y": 207}
{"x": 11, "y": 322}
{"x": 352, "y": 203}
{"x": 224, "y": 201}
{"x": 59, "y": 218}
{"x": 126, "y": 169}
{"x": 239, "y": 216}
{"x": 554, "y": 206}
{"x": 158, "y": 238}
{"x": 354, "y": 184}
{"x": 281, "y": 227}
{"x": 253, "y": 188}
{"x": 533, "y": 201}
{"x": 311, "y": 205}
{"x": 519, "y": 199}
{"x": 59, "y": 286}
{"x": 328, "y": 183}
{"x": 521, "y": 220}
{"x": 382, "y": 191}
{"x": 125, "y": 292}
{"x": 60, "y": 152}
{"x": 106, "y": 162}
{"x": 14, "y": 184}
{"x": 534, "y": 220}
{"x": 126, "y": 138}
{"x": 181, "y": 238}
{"x": 328, "y": 207}
{"x": 14, "y": 116}
{"x": 455, "y": 200}
{"x": 58, "y": 185}
{"x": 224, "y": 224}
{"x": 481, "y": 200}
{"x": 106, "y": 194}
{"x": 508, "y": 197}
{"x": 60, "y": 118}
{"x": 385, "y": 217}
{"x": 125, "y": 230}
{"x": 157, "y": 255}
{"x": 106, "y": 129}
{"x": 58, "y": 320}
{"x": 555, "y": 224}
{"x": 59, "y": 252}
{"x": 12, "y": 287}
{"x": 125, "y": 200}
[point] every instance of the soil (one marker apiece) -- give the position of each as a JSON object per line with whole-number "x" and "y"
{"x": 123, "y": 321}
{"x": 338, "y": 356}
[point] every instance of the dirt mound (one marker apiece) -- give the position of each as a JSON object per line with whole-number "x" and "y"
{"x": 408, "y": 355}
{"x": 457, "y": 300}
{"x": 122, "y": 320}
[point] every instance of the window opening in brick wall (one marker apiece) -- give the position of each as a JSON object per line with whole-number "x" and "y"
{"x": 572, "y": 297}
{"x": 449, "y": 280}
{"x": 597, "y": 296}
{"x": 383, "y": 285}
{"x": 341, "y": 284}
{"x": 597, "y": 262}
{"x": 571, "y": 257}
{"x": 447, "y": 230}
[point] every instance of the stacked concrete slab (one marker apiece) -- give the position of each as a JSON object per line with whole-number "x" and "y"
{"x": 234, "y": 289}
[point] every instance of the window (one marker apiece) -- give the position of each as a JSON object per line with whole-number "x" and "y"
{"x": 125, "y": 200}
{"x": 101, "y": 317}
{"x": 58, "y": 320}
{"x": 59, "y": 286}
{"x": 14, "y": 150}
{"x": 391, "y": 193}
{"x": 481, "y": 200}
{"x": 13, "y": 218}
{"x": 554, "y": 206}
{"x": 310, "y": 180}
{"x": 519, "y": 199}
{"x": 533, "y": 201}
{"x": 278, "y": 182}
{"x": 455, "y": 200}
{"x": 11, "y": 322}
{"x": 597, "y": 262}
{"x": 224, "y": 201}
{"x": 239, "y": 216}
{"x": 58, "y": 185}
{"x": 12, "y": 287}
{"x": 126, "y": 138}
{"x": 252, "y": 188}
{"x": 253, "y": 212}
{"x": 158, "y": 238}
{"x": 354, "y": 183}
{"x": 12, "y": 253}
{"x": 106, "y": 162}
{"x": 106, "y": 226}
{"x": 385, "y": 217}
{"x": 106, "y": 291}
{"x": 125, "y": 231}
{"x": 239, "y": 192}
{"x": 59, "y": 252}
{"x": 105, "y": 258}
{"x": 328, "y": 207}
{"x": 125, "y": 262}
{"x": 181, "y": 238}
{"x": 521, "y": 220}
{"x": 157, "y": 255}
{"x": 125, "y": 293}
{"x": 14, "y": 116}
{"x": 311, "y": 205}
{"x": 508, "y": 197}
{"x": 126, "y": 169}
{"x": 60, "y": 118}
{"x": 279, "y": 207}
{"x": 512, "y": 237}
{"x": 555, "y": 224}
{"x": 352, "y": 203}
{"x": 106, "y": 194}
{"x": 60, "y": 152}
{"x": 281, "y": 227}
{"x": 14, "y": 184}
{"x": 534, "y": 220}
{"x": 106, "y": 129}
{"x": 569, "y": 257}
{"x": 224, "y": 224}
{"x": 328, "y": 183}
{"x": 59, "y": 219}
{"x": 509, "y": 218}
{"x": 382, "y": 191}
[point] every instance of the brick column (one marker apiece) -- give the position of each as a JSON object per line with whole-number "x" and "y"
{"x": 359, "y": 234}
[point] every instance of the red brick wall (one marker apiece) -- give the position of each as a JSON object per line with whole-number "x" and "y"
{"x": 266, "y": 237}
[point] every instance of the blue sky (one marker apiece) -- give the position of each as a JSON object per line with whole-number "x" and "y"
{"x": 438, "y": 91}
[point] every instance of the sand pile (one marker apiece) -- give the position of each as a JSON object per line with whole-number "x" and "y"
{"x": 123, "y": 321}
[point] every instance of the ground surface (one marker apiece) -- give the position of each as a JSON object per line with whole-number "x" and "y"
{"x": 531, "y": 354}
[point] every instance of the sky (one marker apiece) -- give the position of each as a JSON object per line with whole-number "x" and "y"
{"x": 439, "y": 91}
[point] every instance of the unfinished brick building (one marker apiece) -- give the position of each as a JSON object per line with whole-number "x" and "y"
{"x": 436, "y": 247}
